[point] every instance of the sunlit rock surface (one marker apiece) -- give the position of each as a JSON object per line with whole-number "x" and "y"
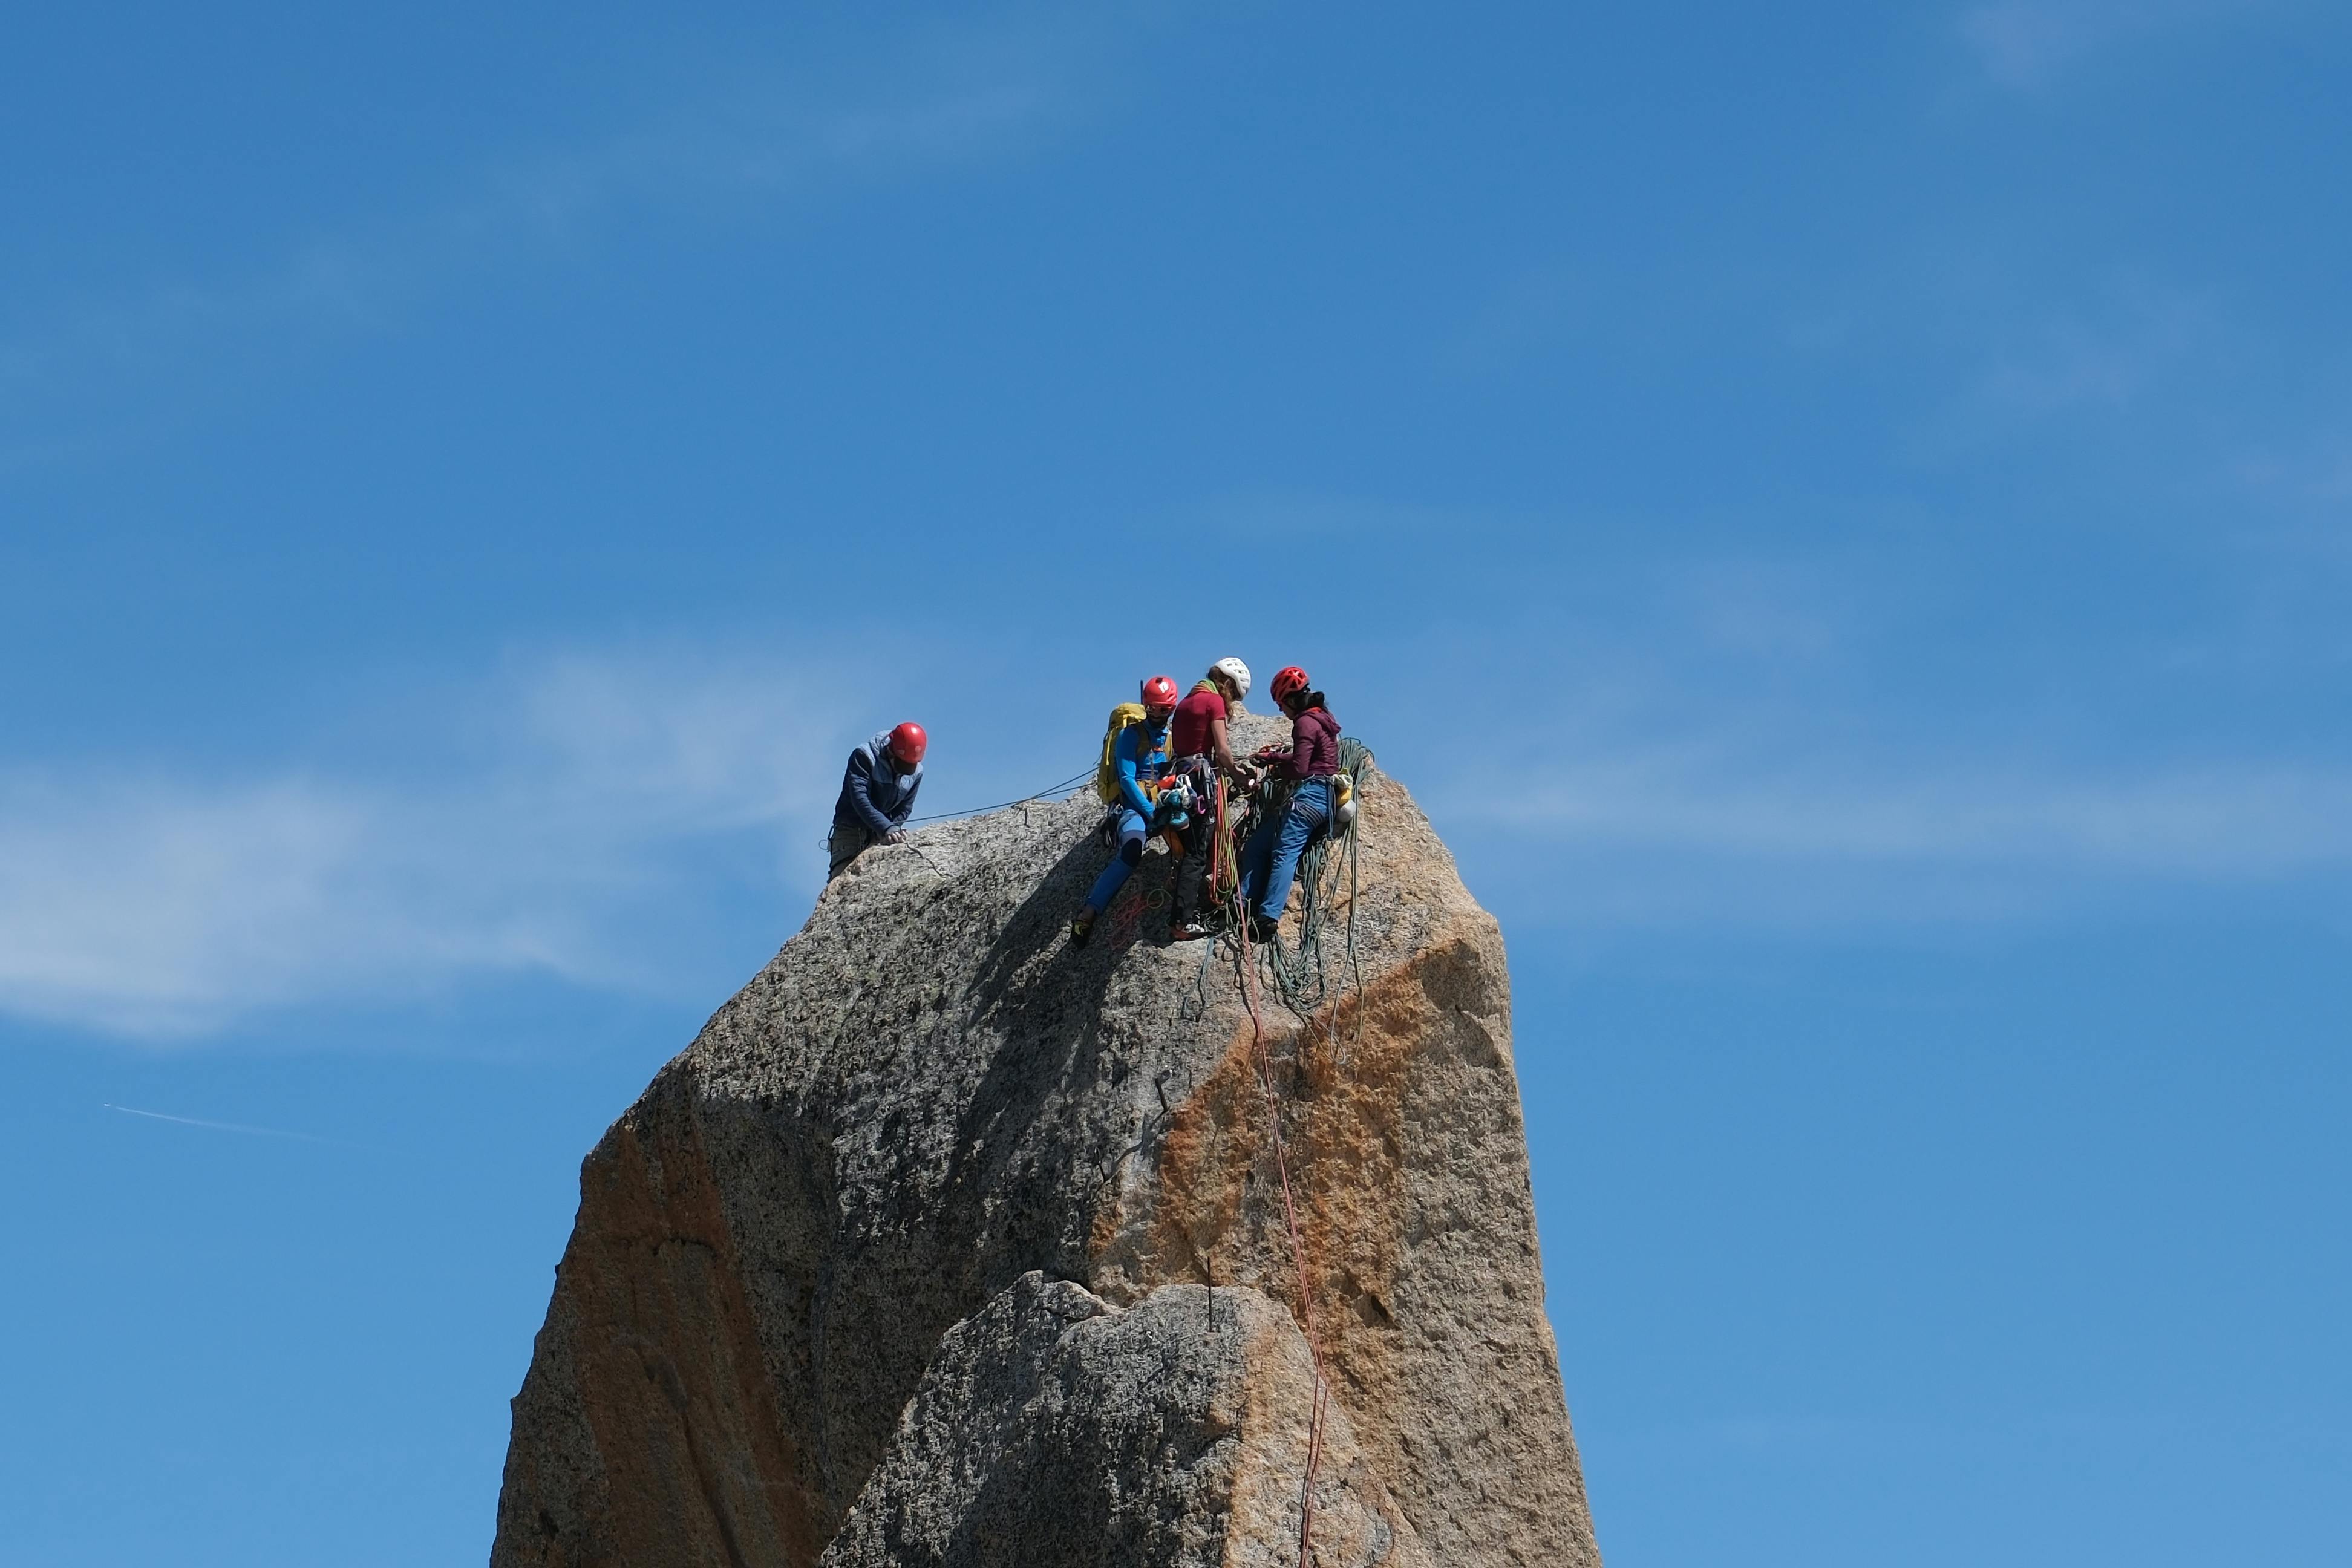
{"x": 866, "y": 1274}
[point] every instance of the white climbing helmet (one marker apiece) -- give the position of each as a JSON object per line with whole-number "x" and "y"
{"x": 1234, "y": 670}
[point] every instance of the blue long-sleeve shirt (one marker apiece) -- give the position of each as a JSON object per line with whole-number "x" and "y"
{"x": 874, "y": 793}
{"x": 1141, "y": 754}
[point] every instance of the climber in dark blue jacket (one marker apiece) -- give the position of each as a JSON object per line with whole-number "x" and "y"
{"x": 878, "y": 794}
{"x": 1141, "y": 754}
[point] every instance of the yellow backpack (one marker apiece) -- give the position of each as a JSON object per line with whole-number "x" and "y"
{"x": 1107, "y": 770}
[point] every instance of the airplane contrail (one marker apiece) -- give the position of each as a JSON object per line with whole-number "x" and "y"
{"x": 220, "y": 1126}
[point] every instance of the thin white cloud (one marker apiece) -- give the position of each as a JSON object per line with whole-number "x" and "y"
{"x": 1739, "y": 835}
{"x": 1529, "y": 313}
{"x": 237, "y": 1127}
{"x": 752, "y": 138}
{"x": 158, "y": 907}
{"x": 2207, "y": 824}
{"x": 2064, "y": 360}
{"x": 2123, "y": 351}
{"x": 1734, "y": 745}
{"x": 2029, "y": 42}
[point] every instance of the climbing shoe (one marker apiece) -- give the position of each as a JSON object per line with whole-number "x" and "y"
{"x": 1187, "y": 930}
{"x": 1082, "y": 928}
{"x": 1262, "y": 929}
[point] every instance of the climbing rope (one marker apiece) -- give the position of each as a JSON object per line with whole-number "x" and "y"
{"x": 1068, "y": 786}
{"x": 1290, "y": 982}
{"x": 1264, "y": 1061}
{"x": 1299, "y": 978}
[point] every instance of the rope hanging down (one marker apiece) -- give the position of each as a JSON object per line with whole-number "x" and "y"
{"x": 1291, "y": 982}
{"x": 1264, "y": 1062}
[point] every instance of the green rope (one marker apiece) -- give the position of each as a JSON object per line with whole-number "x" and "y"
{"x": 1300, "y": 978}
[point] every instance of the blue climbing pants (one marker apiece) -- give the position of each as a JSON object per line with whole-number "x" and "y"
{"x": 1133, "y": 833}
{"x": 1272, "y": 860}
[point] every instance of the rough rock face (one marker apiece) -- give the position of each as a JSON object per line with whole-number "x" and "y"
{"x": 1057, "y": 1431}
{"x": 890, "y": 1265}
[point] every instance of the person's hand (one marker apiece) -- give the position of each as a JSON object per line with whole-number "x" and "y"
{"x": 896, "y": 836}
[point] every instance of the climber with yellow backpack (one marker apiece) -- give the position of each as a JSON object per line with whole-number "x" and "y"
{"x": 1134, "y": 760}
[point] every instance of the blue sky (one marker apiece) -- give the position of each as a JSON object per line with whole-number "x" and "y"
{"x": 1843, "y": 514}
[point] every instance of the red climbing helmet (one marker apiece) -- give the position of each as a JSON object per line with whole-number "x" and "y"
{"x": 908, "y": 742}
{"x": 1288, "y": 681}
{"x": 1160, "y": 691}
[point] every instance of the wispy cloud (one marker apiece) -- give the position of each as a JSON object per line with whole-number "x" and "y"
{"x": 2121, "y": 351}
{"x": 1530, "y": 312}
{"x": 160, "y": 907}
{"x": 2206, "y": 824}
{"x": 237, "y": 1127}
{"x": 2312, "y": 474}
{"x": 1745, "y": 742}
{"x": 746, "y": 139}
{"x": 1741, "y": 832}
{"x": 2029, "y": 42}
{"x": 2104, "y": 359}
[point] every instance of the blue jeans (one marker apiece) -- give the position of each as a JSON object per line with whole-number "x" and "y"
{"x": 1275, "y": 848}
{"x": 1132, "y": 832}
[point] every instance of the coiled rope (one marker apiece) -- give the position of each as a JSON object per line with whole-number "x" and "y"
{"x": 1300, "y": 979}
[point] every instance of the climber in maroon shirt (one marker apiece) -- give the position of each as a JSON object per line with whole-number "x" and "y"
{"x": 1201, "y": 749}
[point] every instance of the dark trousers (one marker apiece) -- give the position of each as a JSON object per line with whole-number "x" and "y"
{"x": 848, "y": 840}
{"x": 1198, "y": 836}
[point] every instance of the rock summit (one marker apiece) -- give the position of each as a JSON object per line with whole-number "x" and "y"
{"x": 949, "y": 1244}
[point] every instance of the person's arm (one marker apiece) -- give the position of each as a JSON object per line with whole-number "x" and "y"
{"x": 1221, "y": 751}
{"x": 1131, "y": 788}
{"x": 1221, "y": 745}
{"x": 1292, "y": 764}
{"x": 858, "y": 786}
{"x": 905, "y": 806}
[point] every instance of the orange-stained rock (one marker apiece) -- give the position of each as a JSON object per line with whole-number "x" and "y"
{"x": 929, "y": 1095}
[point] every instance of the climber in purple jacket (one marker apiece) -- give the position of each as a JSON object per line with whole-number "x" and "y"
{"x": 1271, "y": 861}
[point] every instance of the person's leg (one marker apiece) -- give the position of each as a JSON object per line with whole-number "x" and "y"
{"x": 1192, "y": 844}
{"x": 848, "y": 841}
{"x": 1132, "y": 832}
{"x": 1257, "y": 859}
{"x": 1309, "y": 809}
{"x": 1189, "y": 871}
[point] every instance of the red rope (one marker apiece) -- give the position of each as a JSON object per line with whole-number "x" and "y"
{"x": 1297, "y": 1249}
